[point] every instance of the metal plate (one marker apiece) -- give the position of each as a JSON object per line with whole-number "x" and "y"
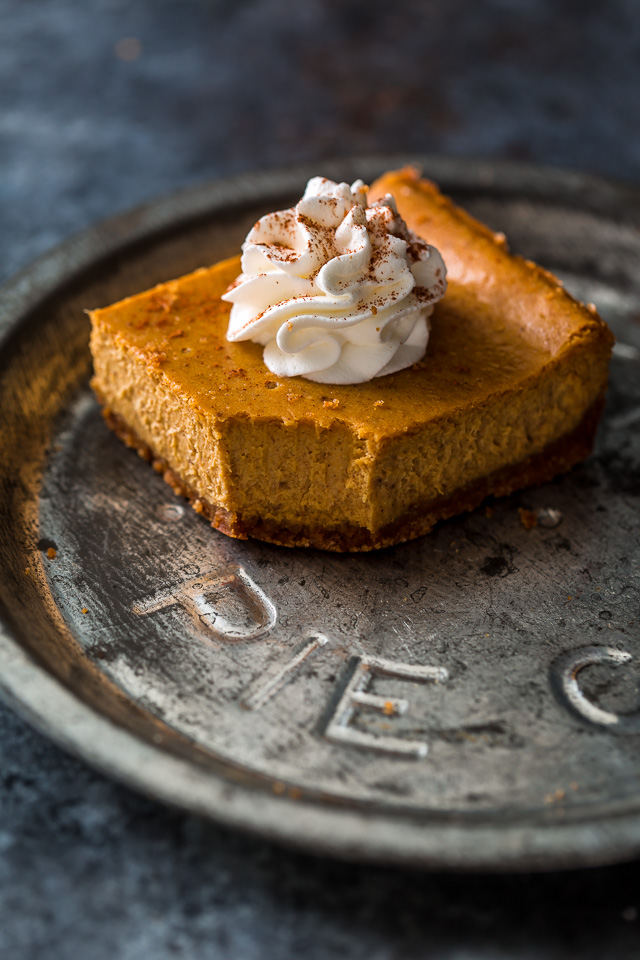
{"x": 463, "y": 701}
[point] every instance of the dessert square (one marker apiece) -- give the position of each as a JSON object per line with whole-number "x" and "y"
{"x": 508, "y": 395}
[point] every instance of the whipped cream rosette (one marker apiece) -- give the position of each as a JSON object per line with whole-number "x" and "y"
{"x": 336, "y": 290}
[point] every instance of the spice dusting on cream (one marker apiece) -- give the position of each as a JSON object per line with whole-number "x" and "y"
{"x": 336, "y": 290}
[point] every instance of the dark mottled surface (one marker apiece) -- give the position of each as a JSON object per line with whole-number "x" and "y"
{"x": 88, "y": 869}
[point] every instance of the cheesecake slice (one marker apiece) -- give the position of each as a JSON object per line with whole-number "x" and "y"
{"x": 508, "y": 395}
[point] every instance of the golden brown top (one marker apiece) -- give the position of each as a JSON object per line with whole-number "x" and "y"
{"x": 500, "y": 323}
{"x": 528, "y": 298}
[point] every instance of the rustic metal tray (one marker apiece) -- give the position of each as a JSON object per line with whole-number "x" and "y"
{"x": 463, "y": 701}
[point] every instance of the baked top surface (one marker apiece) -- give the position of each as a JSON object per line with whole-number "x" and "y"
{"x": 500, "y": 324}
{"x": 178, "y": 331}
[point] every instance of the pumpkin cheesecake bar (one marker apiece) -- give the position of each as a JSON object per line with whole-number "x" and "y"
{"x": 507, "y": 395}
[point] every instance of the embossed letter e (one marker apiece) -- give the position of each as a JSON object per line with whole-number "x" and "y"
{"x": 354, "y": 696}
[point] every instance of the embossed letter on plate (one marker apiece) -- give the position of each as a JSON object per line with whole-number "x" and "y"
{"x": 229, "y": 605}
{"x": 564, "y": 681}
{"x": 354, "y": 696}
{"x": 263, "y": 689}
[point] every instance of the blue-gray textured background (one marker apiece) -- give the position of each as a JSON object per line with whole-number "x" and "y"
{"x": 108, "y": 103}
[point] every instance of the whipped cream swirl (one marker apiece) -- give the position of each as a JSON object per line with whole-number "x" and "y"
{"x": 336, "y": 291}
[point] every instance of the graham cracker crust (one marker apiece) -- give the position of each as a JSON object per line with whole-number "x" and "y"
{"x": 557, "y": 458}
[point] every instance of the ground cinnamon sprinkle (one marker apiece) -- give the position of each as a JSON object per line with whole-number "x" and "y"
{"x": 164, "y": 301}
